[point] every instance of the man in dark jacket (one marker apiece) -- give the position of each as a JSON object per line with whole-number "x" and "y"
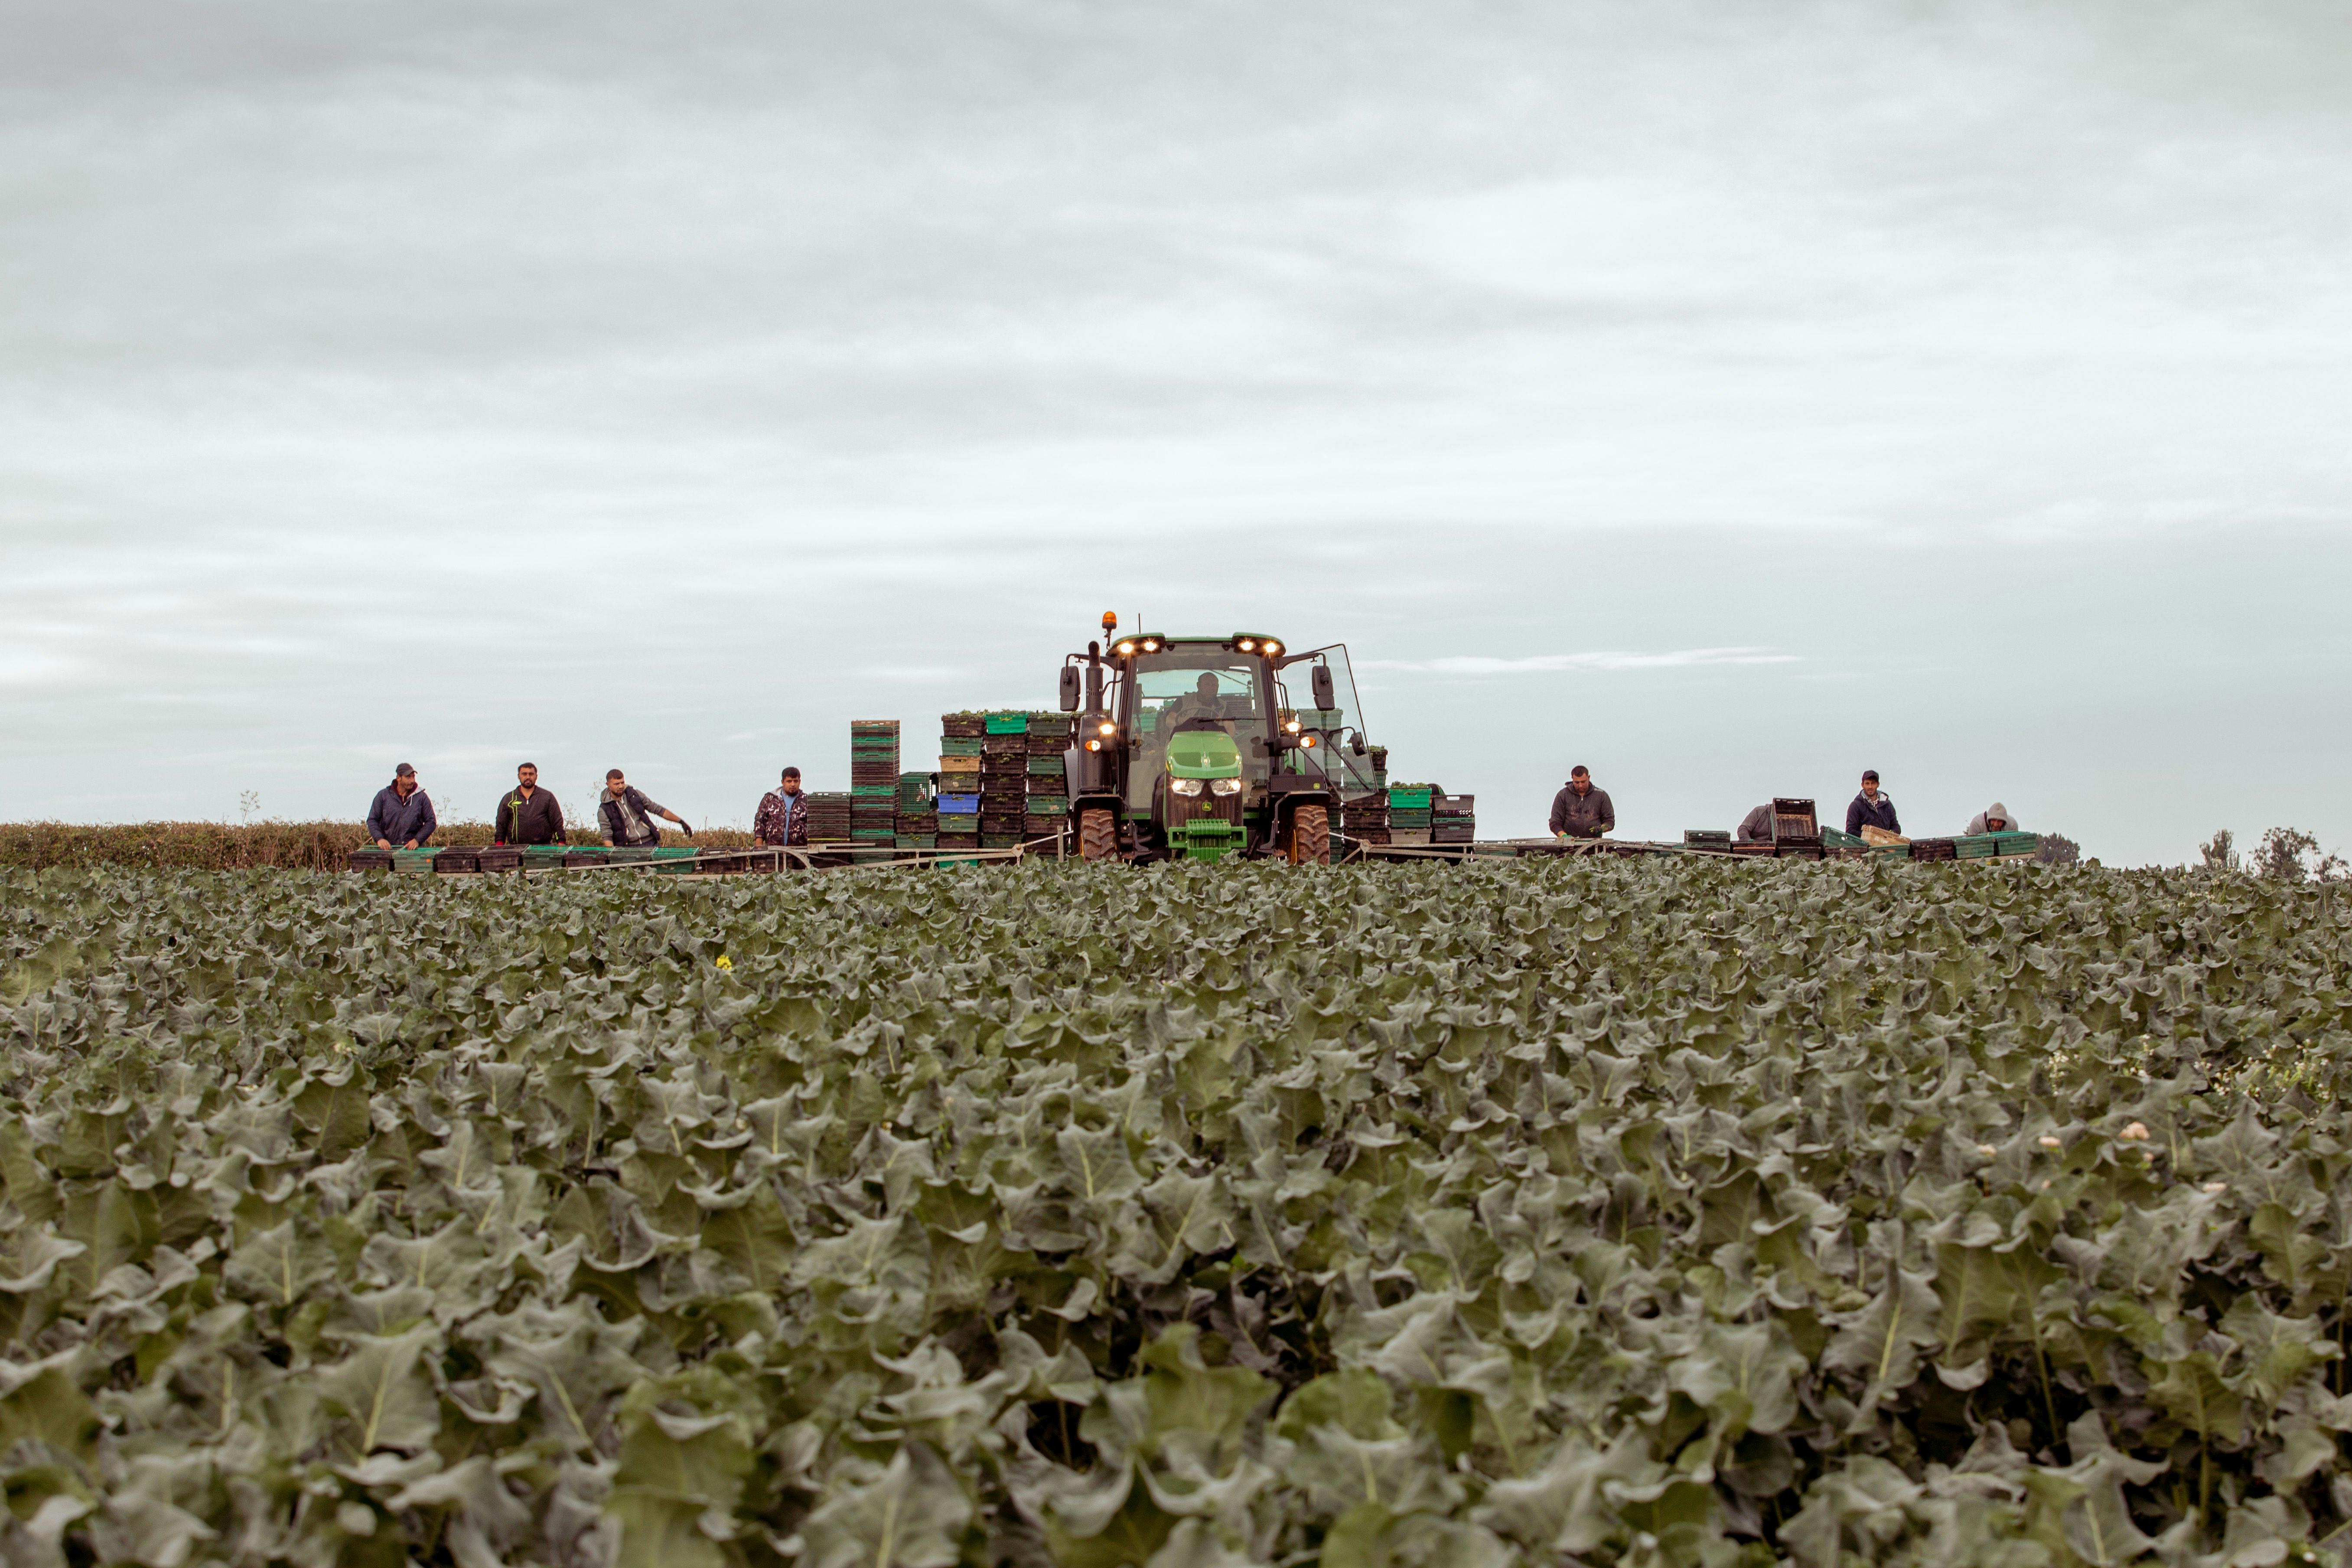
{"x": 528, "y": 814}
{"x": 403, "y": 814}
{"x": 1581, "y": 811}
{"x": 782, "y": 821}
{"x": 1871, "y": 808}
{"x": 1756, "y": 827}
{"x": 627, "y": 815}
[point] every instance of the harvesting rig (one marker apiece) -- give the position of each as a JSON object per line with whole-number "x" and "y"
{"x": 1192, "y": 748}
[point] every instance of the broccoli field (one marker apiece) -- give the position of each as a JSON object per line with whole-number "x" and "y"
{"x": 1598, "y": 1211}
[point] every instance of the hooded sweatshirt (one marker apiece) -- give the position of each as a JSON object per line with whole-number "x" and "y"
{"x": 1976, "y": 822}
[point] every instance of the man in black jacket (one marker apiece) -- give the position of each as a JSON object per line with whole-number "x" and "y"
{"x": 1871, "y": 808}
{"x": 1581, "y": 811}
{"x": 528, "y": 814}
{"x": 628, "y": 815}
{"x": 403, "y": 814}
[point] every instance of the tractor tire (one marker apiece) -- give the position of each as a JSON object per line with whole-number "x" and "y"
{"x": 1097, "y": 833}
{"x": 1310, "y": 836}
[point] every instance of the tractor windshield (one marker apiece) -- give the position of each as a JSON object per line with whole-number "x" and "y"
{"x": 1341, "y": 726}
{"x": 1178, "y": 686}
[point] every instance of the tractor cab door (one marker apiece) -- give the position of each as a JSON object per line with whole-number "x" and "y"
{"x": 1339, "y": 729}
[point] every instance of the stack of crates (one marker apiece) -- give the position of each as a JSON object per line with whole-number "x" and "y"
{"x": 1365, "y": 817}
{"x": 1003, "y": 780}
{"x": 1046, "y": 808}
{"x": 1380, "y": 756}
{"x": 1452, "y": 817}
{"x": 829, "y": 816}
{"x": 1409, "y": 814}
{"x": 1717, "y": 840}
{"x": 918, "y": 821}
{"x": 873, "y": 781}
{"x": 962, "y": 739}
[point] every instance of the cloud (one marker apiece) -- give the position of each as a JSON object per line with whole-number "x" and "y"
{"x": 1546, "y": 663}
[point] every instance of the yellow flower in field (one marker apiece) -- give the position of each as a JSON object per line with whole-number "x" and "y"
{"x": 725, "y": 961}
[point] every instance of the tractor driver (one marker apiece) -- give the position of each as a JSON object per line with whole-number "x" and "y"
{"x": 1202, "y": 702}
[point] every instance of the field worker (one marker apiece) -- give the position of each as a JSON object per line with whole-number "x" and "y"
{"x": 627, "y": 815}
{"x": 782, "y": 821}
{"x": 1580, "y": 811}
{"x": 1994, "y": 818}
{"x": 1757, "y": 825}
{"x": 528, "y": 814}
{"x": 1871, "y": 808}
{"x": 403, "y": 814}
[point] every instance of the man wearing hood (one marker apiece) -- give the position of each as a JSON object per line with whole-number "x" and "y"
{"x": 1581, "y": 811}
{"x": 1994, "y": 818}
{"x": 403, "y": 814}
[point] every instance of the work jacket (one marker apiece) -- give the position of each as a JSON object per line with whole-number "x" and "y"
{"x": 1757, "y": 825}
{"x": 1862, "y": 814}
{"x": 538, "y": 820}
{"x": 396, "y": 821}
{"x": 618, "y": 828}
{"x": 1586, "y": 815}
{"x": 782, "y": 821}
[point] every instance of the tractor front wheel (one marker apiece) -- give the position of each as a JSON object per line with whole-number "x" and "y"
{"x": 1310, "y": 836}
{"x": 1097, "y": 833}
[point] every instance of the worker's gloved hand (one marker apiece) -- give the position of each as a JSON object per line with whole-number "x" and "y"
{"x": 686, "y": 827}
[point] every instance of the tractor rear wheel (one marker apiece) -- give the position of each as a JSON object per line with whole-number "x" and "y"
{"x": 1310, "y": 836}
{"x": 1097, "y": 833}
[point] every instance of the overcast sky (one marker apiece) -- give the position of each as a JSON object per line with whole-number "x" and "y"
{"x": 1729, "y": 397}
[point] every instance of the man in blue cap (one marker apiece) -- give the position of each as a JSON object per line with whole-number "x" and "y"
{"x": 403, "y": 814}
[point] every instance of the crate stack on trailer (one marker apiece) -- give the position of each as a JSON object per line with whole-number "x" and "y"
{"x": 1045, "y": 810}
{"x": 1003, "y": 780}
{"x": 962, "y": 740}
{"x": 829, "y": 817}
{"x": 1364, "y": 818}
{"x": 919, "y": 820}
{"x": 872, "y": 782}
{"x": 1453, "y": 819}
{"x": 1409, "y": 814}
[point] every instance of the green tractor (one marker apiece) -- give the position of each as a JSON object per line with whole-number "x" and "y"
{"x": 1190, "y": 748}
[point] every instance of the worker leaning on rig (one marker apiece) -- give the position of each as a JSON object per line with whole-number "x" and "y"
{"x": 782, "y": 821}
{"x": 403, "y": 814}
{"x": 1581, "y": 811}
{"x": 1871, "y": 808}
{"x": 1757, "y": 825}
{"x": 1994, "y": 818}
{"x": 528, "y": 814}
{"x": 627, "y": 815}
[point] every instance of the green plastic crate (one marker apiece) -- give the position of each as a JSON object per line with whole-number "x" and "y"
{"x": 675, "y": 859}
{"x": 2015, "y": 843}
{"x": 1410, "y": 797}
{"x": 873, "y": 792}
{"x": 957, "y": 821}
{"x": 1000, "y": 841}
{"x": 1046, "y": 806}
{"x": 1975, "y": 845}
{"x": 1008, "y": 723}
{"x": 919, "y": 841}
{"x": 1046, "y": 766}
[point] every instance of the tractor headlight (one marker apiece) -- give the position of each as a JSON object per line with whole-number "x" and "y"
{"x": 1224, "y": 786}
{"x": 1307, "y": 742}
{"x": 1292, "y": 726}
{"x": 1185, "y": 786}
{"x": 1151, "y": 645}
{"x": 1247, "y": 645}
{"x": 1273, "y": 648}
{"x": 1107, "y": 726}
{"x": 1126, "y": 649}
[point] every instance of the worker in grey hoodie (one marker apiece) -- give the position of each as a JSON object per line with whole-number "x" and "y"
{"x": 1994, "y": 818}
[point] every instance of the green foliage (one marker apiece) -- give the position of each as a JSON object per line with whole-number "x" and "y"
{"x": 1639, "y": 1211}
{"x": 253, "y": 846}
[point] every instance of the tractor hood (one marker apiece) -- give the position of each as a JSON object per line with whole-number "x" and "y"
{"x": 1204, "y": 754}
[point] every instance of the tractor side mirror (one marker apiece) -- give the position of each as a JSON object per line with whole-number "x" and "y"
{"x": 1355, "y": 743}
{"x": 1321, "y": 681}
{"x": 1069, "y": 689}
